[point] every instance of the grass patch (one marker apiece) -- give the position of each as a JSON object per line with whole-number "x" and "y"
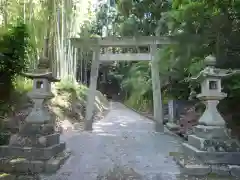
{"x": 175, "y": 154}
{"x": 4, "y": 175}
{"x": 139, "y": 103}
{"x": 18, "y": 160}
{"x": 120, "y": 173}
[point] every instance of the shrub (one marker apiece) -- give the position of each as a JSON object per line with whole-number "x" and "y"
{"x": 22, "y": 84}
{"x": 13, "y": 46}
{"x": 13, "y": 61}
{"x": 68, "y": 85}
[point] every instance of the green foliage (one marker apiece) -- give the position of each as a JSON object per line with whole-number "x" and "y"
{"x": 13, "y": 50}
{"x": 200, "y": 28}
{"x": 13, "y": 46}
{"x": 213, "y": 28}
{"x": 22, "y": 85}
{"x": 66, "y": 85}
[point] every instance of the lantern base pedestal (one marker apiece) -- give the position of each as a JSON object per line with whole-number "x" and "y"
{"x": 172, "y": 126}
{"x": 209, "y": 152}
{"x": 34, "y": 150}
{"x": 211, "y": 132}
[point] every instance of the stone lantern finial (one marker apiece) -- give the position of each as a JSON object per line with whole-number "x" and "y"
{"x": 210, "y": 60}
{"x": 44, "y": 63}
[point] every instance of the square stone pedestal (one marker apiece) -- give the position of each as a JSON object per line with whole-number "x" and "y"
{"x": 210, "y": 151}
{"x": 35, "y": 149}
{"x": 172, "y": 126}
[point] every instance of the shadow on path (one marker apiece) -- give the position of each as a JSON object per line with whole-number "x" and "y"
{"x": 123, "y": 138}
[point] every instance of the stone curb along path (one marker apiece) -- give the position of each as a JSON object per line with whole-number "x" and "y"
{"x": 206, "y": 170}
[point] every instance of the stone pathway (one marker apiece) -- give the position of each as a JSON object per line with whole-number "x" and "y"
{"x": 123, "y": 138}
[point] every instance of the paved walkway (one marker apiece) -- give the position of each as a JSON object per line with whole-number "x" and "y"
{"x": 124, "y": 138}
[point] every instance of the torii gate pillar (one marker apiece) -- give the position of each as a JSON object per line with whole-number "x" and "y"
{"x": 92, "y": 90}
{"x": 156, "y": 87}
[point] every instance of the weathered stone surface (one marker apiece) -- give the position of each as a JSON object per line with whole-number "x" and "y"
{"x": 234, "y": 170}
{"x": 21, "y": 166}
{"x": 28, "y": 177}
{"x": 33, "y": 129}
{"x": 197, "y": 142}
{"x": 172, "y": 126}
{"x": 220, "y": 170}
{"x": 216, "y": 145}
{"x": 38, "y": 141}
{"x": 212, "y": 157}
{"x": 211, "y": 144}
{"x": 179, "y": 161}
{"x": 197, "y": 170}
{"x": 32, "y": 153}
{"x": 53, "y": 164}
{"x": 210, "y": 132}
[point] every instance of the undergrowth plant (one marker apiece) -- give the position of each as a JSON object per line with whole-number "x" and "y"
{"x": 69, "y": 86}
{"x": 22, "y": 84}
{"x": 14, "y": 42}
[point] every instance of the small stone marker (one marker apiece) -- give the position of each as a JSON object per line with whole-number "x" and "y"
{"x": 36, "y": 147}
{"x": 210, "y": 144}
{"x": 171, "y": 110}
{"x": 171, "y": 125}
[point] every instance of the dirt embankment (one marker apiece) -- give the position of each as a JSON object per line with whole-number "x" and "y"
{"x": 68, "y": 108}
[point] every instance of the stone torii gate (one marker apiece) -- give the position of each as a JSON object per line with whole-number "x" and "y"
{"x": 97, "y": 43}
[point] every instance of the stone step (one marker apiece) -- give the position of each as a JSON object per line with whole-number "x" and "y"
{"x": 192, "y": 167}
{"x": 53, "y": 164}
{"x": 232, "y": 158}
{"x": 197, "y": 142}
{"x": 32, "y": 153}
{"x": 23, "y": 166}
{"x": 213, "y": 145}
{"x": 172, "y": 126}
{"x": 211, "y": 132}
{"x": 33, "y": 141}
{"x": 28, "y": 129}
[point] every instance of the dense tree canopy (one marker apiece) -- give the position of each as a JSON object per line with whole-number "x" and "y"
{"x": 200, "y": 28}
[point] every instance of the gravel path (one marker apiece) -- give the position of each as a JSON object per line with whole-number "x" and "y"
{"x": 123, "y": 138}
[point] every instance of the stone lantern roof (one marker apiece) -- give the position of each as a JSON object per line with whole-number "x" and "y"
{"x": 42, "y": 71}
{"x": 210, "y": 71}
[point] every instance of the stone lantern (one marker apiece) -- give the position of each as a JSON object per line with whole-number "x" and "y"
{"x": 41, "y": 92}
{"x": 36, "y": 145}
{"x": 211, "y": 93}
{"x": 210, "y": 149}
